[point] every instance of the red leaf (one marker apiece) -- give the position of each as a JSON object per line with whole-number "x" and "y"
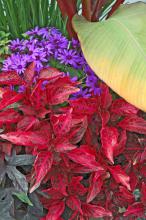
{"x": 10, "y": 78}
{"x": 25, "y": 138}
{"x": 62, "y": 122}
{"x": 74, "y": 203}
{"x": 95, "y": 211}
{"x": 29, "y": 73}
{"x": 121, "y": 107}
{"x": 27, "y": 123}
{"x": 75, "y": 187}
{"x": 55, "y": 211}
{"x": 121, "y": 145}
{"x": 120, "y": 176}
{"x": 105, "y": 97}
{"x": 133, "y": 123}
{"x": 50, "y": 73}
{"x": 63, "y": 145}
{"x": 96, "y": 182}
{"x": 109, "y": 139}
{"x": 78, "y": 130}
{"x": 9, "y": 116}
{"x": 143, "y": 193}
{"x": 10, "y": 97}
{"x": 59, "y": 182}
{"x": 86, "y": 106}
{"x": 136, "y": 209}
{"x": 42, "y": 165}
{"x": 88, "y": 160}
{"x": 60, "y": 91}
{"x": 105, "y": 116}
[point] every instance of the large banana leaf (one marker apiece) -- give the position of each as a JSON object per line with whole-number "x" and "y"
{"x": 116, "y": 50}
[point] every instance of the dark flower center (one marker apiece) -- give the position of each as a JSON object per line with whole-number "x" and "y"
{"x": 69, "y": 57}
{"x": 37, "y": 57}
{"x": 19, "y": 66}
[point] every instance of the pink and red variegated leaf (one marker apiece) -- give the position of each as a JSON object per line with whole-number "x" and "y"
{"x": 10, "y": 97}
{"x": 63, "y": 145}
{"x": 95, "y": 211}
{"x": 136, "y": 209}
{"x": 26, "y": 138}
{"x": 42, "y": 165}
{"x": 50, "y": 73}
{"x": 55, "y": 211}
{"x": 121, "y": 144}
{"x": 27, "y": 123}
{"x": 74, "y": 203}
{"x": 121, "y": 107}
{"x": 10, "y": 78}
{"x": 120, "y": 176}
{"x": 133, "y": 123}
{"x": 86, "y": 106}
{"x": 9, "y": 116}
{"x": 109, "y": 140}
{"x": 85, "y": 156}
{"x": 78, "y": 130}
{"x": 29, "y": 73}
{"x": 96, "y": 182}
{"x": 105, "y": 97}
{"x": 62, "y": 123}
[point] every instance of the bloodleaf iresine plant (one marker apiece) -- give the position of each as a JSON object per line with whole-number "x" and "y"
{"x": 76, "y": 158}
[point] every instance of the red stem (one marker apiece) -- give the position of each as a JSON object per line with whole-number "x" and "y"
{"x": 115, "y": 6}
{"x": 86, "y": 9}
{"x": 97, "y": 10}
{"x": 68, "y": 8}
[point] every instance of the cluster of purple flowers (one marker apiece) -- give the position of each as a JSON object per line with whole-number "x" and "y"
{"x": 43, "y": 44}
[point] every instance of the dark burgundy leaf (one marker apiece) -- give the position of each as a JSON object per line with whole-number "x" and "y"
{"x": 59, "y": 182}
{"x": 74, "y": 203}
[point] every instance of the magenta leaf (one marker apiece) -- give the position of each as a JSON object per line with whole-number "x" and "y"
{"x": 109, "y": 139}
{"x": 120, "y": 176}
{"x": 42, "y": 165}
{"x": 133, "y": 123}
{"x": 88, "y": 160}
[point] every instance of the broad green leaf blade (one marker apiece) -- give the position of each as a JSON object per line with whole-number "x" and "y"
{"x": 116, "y": 50}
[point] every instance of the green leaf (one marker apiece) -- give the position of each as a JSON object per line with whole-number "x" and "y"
{"x": 116, "y": 50}
{"x": 23, "y": 197}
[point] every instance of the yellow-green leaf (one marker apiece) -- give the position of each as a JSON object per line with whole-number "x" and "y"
{"x": 116, "y": 50}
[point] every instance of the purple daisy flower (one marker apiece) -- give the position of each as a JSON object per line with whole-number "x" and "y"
{"x": 47, "y": 48}
{"x": 54, "y": 31}
{"x": 7, "y": 64}
{"x": 68, "y": 57}
{"x": 16, "y": 45}
{"x": 58, "y": 41}
{"x": 75, "y": 43}
{"x": 33, "y": 32}
{"x": 39, "y": 57}
{"x": 19, "y": 62}
{"x": 44, "y": 32}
